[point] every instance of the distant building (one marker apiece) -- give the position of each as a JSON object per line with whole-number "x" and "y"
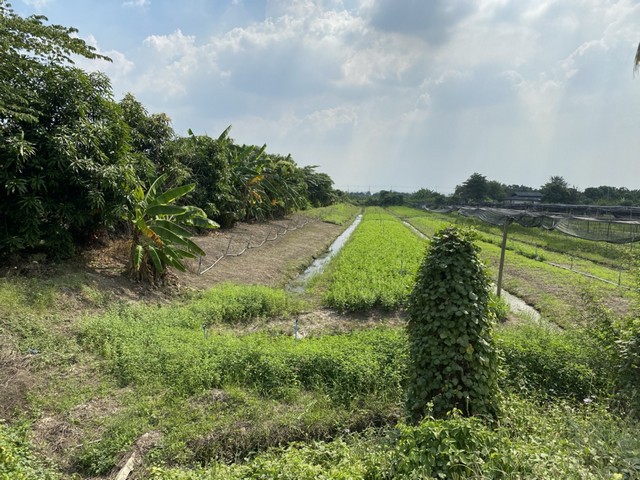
{"x": 524, "y": 198}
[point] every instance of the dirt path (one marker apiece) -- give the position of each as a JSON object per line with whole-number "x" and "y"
{"x": 272, "y": 252}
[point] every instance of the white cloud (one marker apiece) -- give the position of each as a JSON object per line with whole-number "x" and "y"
{"x": 37, "y": 4}
{"x": 136, "y": 3}
{"x": 119, "y": 69}
{"x": 499, "y": 85}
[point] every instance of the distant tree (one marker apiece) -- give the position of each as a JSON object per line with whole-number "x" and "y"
{"x": 387, "y": 198}
{"x": 473, "y": 190}
{"x": 511, "y": 189}
{"x": 557, "y": 190}
{"x": 426, "y": 197}
{"x": 319, "y": 187}
{"x": 496, "y": 191}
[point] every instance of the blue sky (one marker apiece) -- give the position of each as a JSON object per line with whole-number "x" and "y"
{"x": 387, "y": 94}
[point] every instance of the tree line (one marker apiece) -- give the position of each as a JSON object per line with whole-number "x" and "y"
{"x": 477, "y": 190}
{"x": 73, "y": 160}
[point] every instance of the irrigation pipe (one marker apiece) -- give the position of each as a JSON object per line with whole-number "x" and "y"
{"x": 285, "y": 228}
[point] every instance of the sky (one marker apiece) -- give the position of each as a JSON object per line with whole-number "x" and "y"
{"x": 386, "y": 94}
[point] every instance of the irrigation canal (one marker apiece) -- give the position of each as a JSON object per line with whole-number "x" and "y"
{"x": 516, "y": 304}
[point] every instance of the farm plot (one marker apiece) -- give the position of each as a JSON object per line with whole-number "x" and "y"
{"x": 555, "y": 292}
{"x": 376, "y": 268}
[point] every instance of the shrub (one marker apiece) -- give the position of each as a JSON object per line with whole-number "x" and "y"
{"x": 553, "y": 363}
{"x": 453, "y": 360}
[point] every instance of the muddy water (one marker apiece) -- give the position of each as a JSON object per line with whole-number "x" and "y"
{"x": 299, "y": 283}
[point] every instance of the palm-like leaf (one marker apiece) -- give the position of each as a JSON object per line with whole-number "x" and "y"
{"x": 160, "y": 237}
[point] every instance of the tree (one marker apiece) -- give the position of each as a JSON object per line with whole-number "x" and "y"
{"x": 473, "y": 190}
{"x": 63, "y": 144}
{"x": 29, "y": 49}
{"x": 453, "y": 358}
{"x": 209, "y": 166}
{"x": 557, "y": 190}
{"x": 151, "y": 137}
{"x": 496, "y": 191}
{"x": 319, "y": 187}
{"x": 67, "y": 174}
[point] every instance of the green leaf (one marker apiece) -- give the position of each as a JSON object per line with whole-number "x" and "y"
{"x": 172, "y": 227}
{"x": 158, "y": 210}
{"x": 138, "y": 253}
{"x": 151, "y": 193}
{"x": 170, "y": 257}
{"x": 172, "y": 194}
{"x": 201, "y": 222}
{"x": 168, "y": 235}
{"x": 155, "y": 259}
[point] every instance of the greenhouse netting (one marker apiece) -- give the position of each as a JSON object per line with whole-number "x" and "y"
{"x": 606, "y": 228}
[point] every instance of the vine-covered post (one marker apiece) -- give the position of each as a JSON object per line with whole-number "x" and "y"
{"x": 453, "y": 359}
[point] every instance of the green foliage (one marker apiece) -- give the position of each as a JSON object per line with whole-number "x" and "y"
{"x": 28, "y": 50}
{"x": 151, "y": 137}
{"x": 298, "y": 461}
{"x": 63, "y": 144}
{"x": 238, "y": 304}
{"x": 168, "y": 347}
{"x": 17, "y": 461}
{"x": 453, "y": 359}
{"x": 618, "y": 341}
{"x": 498, "y": 308}
{"x": 68, "y": 173}
{"x": 474, "y": 190}
{"x": 208, "y": 163}
{"x": 237, "y": 183}
{"x": 338, "y": 214}
{"x": 375, "y": 268}
{"x": 532, "y": 441}
{"x": 552, "y": 363}
{"x": 319, "y": 187}
{"x": 455, "y": 447}
{"x": 160, "y": 239}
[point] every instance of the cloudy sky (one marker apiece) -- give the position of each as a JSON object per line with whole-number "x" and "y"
{"x": 387, "y": 94}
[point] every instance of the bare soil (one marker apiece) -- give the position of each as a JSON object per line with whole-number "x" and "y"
{"x": 270, "y": 253}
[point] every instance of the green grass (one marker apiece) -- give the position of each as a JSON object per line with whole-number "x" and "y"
{"x": 340, "y": 214}
{"x": 376, "y": 267}
{"x": 532, "y": 441}
{"x": 555, "y": 292}
{"x": 237, "y": 400}
{"x": 17, "y": 460}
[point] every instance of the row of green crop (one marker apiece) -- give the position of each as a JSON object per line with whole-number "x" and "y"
{"x": 532, "y": 441}
{"x": 145, "y": 347}
{"x": 162, "y": 350}
{"x": 554, "y": 291}
{"x": 376, "y": 267}
{"x": 602, "y": 260}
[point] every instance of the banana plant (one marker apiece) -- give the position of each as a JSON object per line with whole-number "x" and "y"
{"x": 160, "y": 235}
